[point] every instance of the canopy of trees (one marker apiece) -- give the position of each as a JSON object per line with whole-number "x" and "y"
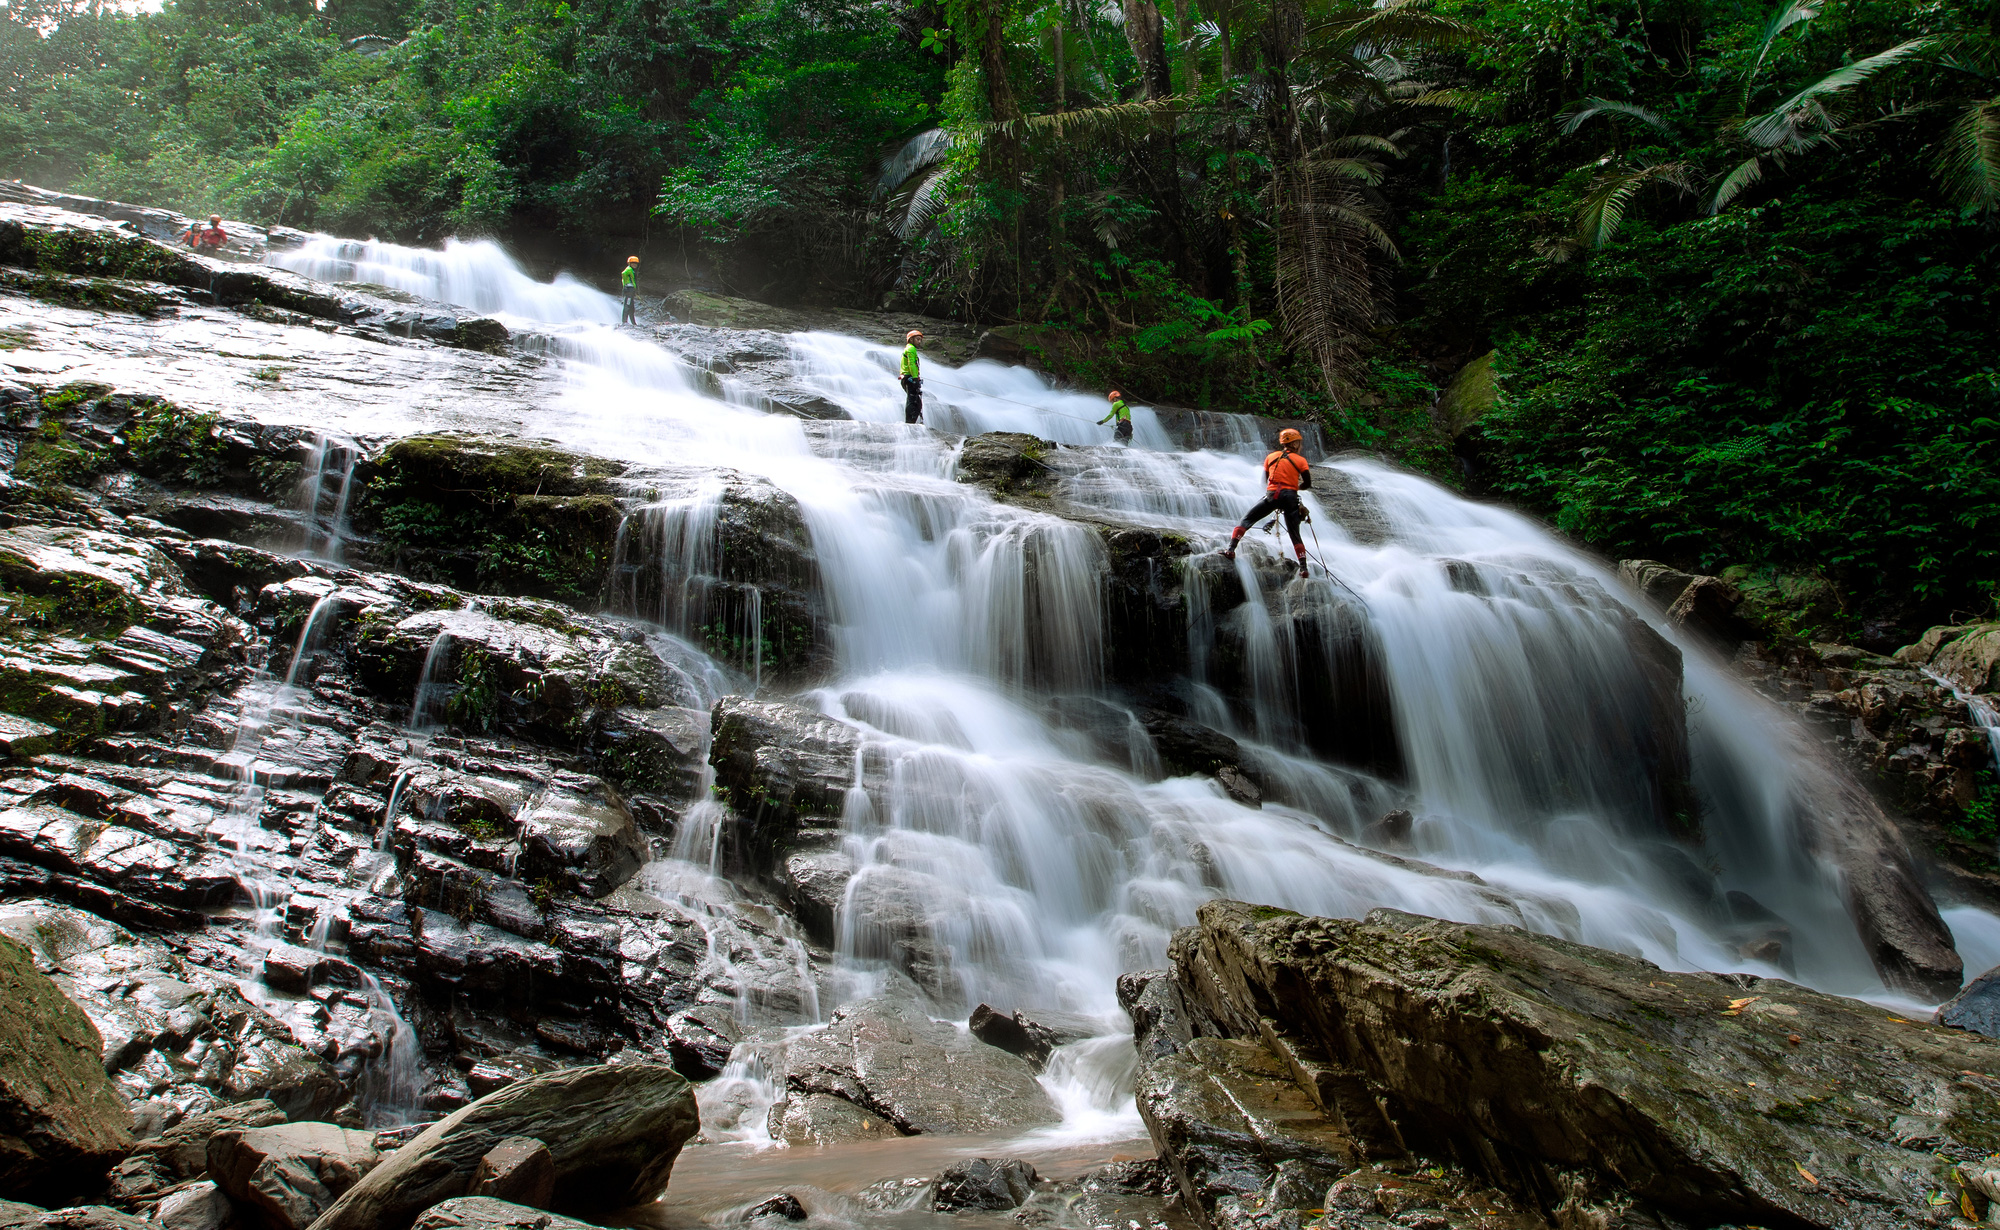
{"x": 1706, "y": 280}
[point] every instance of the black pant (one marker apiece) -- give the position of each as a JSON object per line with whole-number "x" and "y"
{"x": 913, "y": 399}
{"x": 1285, "y": 501}
{"x": 1123, "y": 430}
{"x": 631, "y": 316}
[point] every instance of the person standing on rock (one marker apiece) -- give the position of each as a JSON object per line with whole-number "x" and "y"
{"x": 1286, "y": 473}
{"x": 1121, "y": 412}
{"x": 629, "y": 277}
{"x": 912, "y": 377}
{"x": 214, "y": 237}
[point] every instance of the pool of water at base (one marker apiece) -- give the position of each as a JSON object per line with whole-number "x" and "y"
{"x": 716, "y": 1184}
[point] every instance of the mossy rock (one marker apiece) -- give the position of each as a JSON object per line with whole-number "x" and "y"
{"x": 66, "y": 1124}
{"x": 477, "y": 466}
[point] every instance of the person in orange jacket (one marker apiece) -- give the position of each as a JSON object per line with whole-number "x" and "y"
{"x": 1286, "y": 473}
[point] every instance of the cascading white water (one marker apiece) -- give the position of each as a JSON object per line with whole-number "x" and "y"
{"x": 324, "y": 489}
{"x": 1035, "y": 867}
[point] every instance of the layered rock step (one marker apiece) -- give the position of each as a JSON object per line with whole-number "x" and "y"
{"x": 1573, "y": 1078}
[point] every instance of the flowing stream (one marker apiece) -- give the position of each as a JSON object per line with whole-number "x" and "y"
{"x": 1042, "y": 864}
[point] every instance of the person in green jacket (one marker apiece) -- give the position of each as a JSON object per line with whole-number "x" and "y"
{"x": 912, "y": 377}
{"x": 1121, "y": 412}
{"x": 629, "y": 276}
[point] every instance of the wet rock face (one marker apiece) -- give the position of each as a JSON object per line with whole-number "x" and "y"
{"x": 727, "y": 560}
{"x": 153, "y": 1009}
{"x": 1032, "y": 1038}
{"x": 612, "y": 1132}
{"x": 888, "y": 1057}
{"x": 1698, "y": 1102}
{"x": 822, "y": 1119}
{"x": 64, "y": 1122}
{"x": 784, "y": 769}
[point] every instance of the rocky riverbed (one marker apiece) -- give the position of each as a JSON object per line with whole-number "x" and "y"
{"x": 410, "y": 819}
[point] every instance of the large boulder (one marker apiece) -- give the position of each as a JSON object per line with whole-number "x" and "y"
{"x": 179, "y": 1155}
{"x": 62, "y": 1122}
{"x": 1558, "y": 1068}
{"x": 285, "y": 1176}
{"x": 1971, "y": 659}
{"x": 889, "y": 1057}
{"x": 613, "y": 1133}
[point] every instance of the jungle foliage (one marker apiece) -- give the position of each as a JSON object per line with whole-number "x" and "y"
{"x": 1706, "y": 280}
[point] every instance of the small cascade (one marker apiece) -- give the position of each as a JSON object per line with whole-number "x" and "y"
{"x": 428, "y": 702}
{"x": 392, "y": 1084}
{"x": 324, "y": 490}
{"x": 1985, "y": 711}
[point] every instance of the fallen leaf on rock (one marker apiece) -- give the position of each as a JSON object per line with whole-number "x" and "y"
{"x": 1805, "y": 1174}
{"x": 1794, "y": 1039}
{"x": 1737, "y": 1005}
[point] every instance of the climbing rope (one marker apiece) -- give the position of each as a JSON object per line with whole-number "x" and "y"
{"x": 1317, "y": 556}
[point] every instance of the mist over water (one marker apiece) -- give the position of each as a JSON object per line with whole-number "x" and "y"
{"x": 1043, "y": 864}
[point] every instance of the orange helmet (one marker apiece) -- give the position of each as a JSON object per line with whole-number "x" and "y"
{"x": 1290, "y": 435}
{"x": 1113, "y": 395}
{"x": 215, "y": 217}
{"x": 631, "y": 260}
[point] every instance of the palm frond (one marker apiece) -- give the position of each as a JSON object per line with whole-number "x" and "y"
{"x": 1784, "y": 123}
{"x": 1400, "y": 24}
{"x": 1114, "y": 119}
{"x": 1365, "y": 142}
{"x": 1593, "y": 107}
{"x": 919, "y": 153}
{"x": 1784, "y": 18}
{"x": 1603, "y": 209}
{"x": 1750, "y": 172}
{"x": 1968, "y": 159}
{"x": 926, "y": 202}
{"x": 1457, "y": 100}
{"x": 1360, "y": 170}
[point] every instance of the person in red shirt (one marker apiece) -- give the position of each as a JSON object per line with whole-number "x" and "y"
{"x": 214, "y": 237}
{"x": 1286, "y": 473}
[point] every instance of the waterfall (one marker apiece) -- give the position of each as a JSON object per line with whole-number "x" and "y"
{"x": 1484, "y": 677}
{"x": 323, "y": 495}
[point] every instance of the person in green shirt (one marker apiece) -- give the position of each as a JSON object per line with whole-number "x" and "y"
{"x": 912, "y": 377}
{"x": 629, "y": 276}
{"x": 1121, "y": 412}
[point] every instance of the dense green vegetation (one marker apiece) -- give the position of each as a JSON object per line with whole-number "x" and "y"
{"x": 1705, "y": 280}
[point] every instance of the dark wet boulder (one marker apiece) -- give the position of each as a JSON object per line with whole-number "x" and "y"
{"x": 1659, "y": 583}
{"x": 1145, "y": 606}
{"x": 76, "y": 1217}
{"x": 613, "y": 1133}
{"x": 1034, "y": 1038}
{"x": 815, "y": 882}
{"x": 1975, "y": 1009}
{"x": 783, "y": 1206}
{"x": 587, "y": 843}
{"x": 889, "y": 1057}
{"x": 1188, "y": 747}
{"x": 983, "y": 1183}
{"x": 1001, "y": 460}
{"x": 822, "y": 1119}
{"x": 286, "y": 1175}
{"x": 784, "y": 769}
{"x": 62, "y": 1121}
{"x": 1711, "y": 1098}
{"x": 654, "y": 751}
{"x": 165, "y": 1162}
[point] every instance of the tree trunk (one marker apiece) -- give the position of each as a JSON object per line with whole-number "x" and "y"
{"x": 1190, "y": 61}
{"x": 1147, "y": 34}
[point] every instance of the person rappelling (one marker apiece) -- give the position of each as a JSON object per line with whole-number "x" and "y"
{"x": 1286, "y": 473}
{"x": 1121, "y": 412}
{"x": 629, "y": 277}
{"x": 912, "y": 377}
